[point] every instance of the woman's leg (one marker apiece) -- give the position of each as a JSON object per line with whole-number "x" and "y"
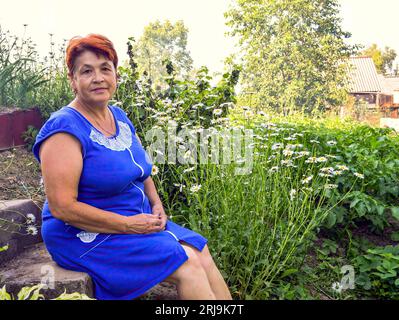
{"x": 215, "y": 278}
{"x": 191, "y": 279}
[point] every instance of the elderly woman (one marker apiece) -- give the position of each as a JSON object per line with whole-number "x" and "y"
{"x": 102, "y": 213}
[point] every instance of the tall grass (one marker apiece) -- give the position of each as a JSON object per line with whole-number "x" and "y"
{"x": 26, "y": 79}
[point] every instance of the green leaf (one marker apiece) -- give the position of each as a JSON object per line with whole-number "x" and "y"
{"x": 395, "y": 212}
{"x": 395, "y": 236}
{"x": 288, "y": 272}
{"x": 331, "y": 220}
{"x": 4, "y": 295}
{"x": 25, "y": 292}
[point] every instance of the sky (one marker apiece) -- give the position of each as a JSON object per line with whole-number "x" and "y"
{"x": 369, "y": 21}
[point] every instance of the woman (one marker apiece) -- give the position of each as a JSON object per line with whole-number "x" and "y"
{"x": 102, "y": 213}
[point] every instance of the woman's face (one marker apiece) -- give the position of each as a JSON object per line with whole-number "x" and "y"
{"x": 94, "y": 78}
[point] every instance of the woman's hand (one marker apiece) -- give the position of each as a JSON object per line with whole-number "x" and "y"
{"x": 158, "y": 210}
{"x": 144, "y": 223}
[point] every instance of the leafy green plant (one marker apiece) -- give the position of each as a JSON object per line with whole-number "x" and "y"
{"x": 33, "y": 293}
{"x": 29, "y": 136}
{"x": 378, "y": 271}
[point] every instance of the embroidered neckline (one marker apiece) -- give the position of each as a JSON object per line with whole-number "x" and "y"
{"x": 116, "y": 122}
{"x": 119, "y": 143}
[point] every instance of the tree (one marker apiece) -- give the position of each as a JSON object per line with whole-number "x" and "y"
{"x": 292, "y": 52}
{"x": 160, "y": 43}
{"x": 383, "y": 60}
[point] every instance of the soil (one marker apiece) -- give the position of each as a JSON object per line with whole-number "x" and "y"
{"x": 20, "y": 176}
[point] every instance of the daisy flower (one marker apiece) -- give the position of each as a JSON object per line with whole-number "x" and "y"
{"x": 292, "y": 194}
{"x": 337, "y": 287}
{"x": 154, "y": 170}
{"x": 307, "y": 180}
{"x": 261, "y": 113}
{"x": 359, "y": 175}
{"x": 288, "y": 163}
{"x": 273, "y": 169}
{"x": 301, "y": 154}
{"x": 248, "y": 114}
{"x": 188, "y": 169}
{"x": 329, "y": 170}
{"x": 30, "y": 218}
{"x": 288, "y": 153}
{"x": 32, "y": 230}
{"x": 311, "y": 160}
{"x": 331, "y": 186}
{"x": 277, "y": 146}
{"x": 195, "y": 188}
{"x": 180, "y": 186}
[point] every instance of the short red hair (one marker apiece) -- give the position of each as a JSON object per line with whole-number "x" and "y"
{"x": 96, "y": 43}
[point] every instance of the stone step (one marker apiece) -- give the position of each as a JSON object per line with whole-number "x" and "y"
{"x": 13, "y": 224}
{"x": 34, "y": 265}
{"x": 26, "y": 262}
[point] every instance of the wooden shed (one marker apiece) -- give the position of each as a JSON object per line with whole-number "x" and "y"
{"x": 364, "y": 83}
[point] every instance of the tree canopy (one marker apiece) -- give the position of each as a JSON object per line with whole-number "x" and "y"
{"x": 292, "y": 52}
{"x": 383, "y": 60}
{"x": 162, "y": 42}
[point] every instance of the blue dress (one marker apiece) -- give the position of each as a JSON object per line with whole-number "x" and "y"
{"x": 122, "y": 266}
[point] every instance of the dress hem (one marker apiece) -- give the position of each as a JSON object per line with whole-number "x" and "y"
{"x": 153, "y": 283}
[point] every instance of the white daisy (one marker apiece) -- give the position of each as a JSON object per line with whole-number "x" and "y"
{"x": 154, "y": 170}
{"x": 248, "y": 114}
{"x": 307, "y": 180}
{"x": 342, "y": 167}
{"x": 277, "y": 146}
{"x": 331, "y": 186}
{"x": 273, "y": 169}
{"x": 32, "y": 230}
{"x": 292, "y": 194}
{"x": 337, "y": 287}
{"x": 30, "y": 218}
{"x": 180, "y": 186}
{"x": 288, "y": 153}
{"x": 359, "y": 175}
{"x": 311, "y": 160}
{"x": 301, "y": 154}
{"x": 195, "y": 188}
{"x": 329, "y": 170}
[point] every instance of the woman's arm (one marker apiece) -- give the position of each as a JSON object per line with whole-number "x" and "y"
{"x": 156, "y": 203}
{"x": 62, "y": 163}
{"x": 152, "y": 194}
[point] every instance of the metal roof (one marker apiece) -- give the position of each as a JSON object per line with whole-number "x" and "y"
{"x": 389, "y": 84}
{"x": 363, "y": 75}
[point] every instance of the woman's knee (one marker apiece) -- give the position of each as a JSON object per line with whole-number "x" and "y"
{"x": 206, "y": 259}
{"x": 190, "y": 269}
